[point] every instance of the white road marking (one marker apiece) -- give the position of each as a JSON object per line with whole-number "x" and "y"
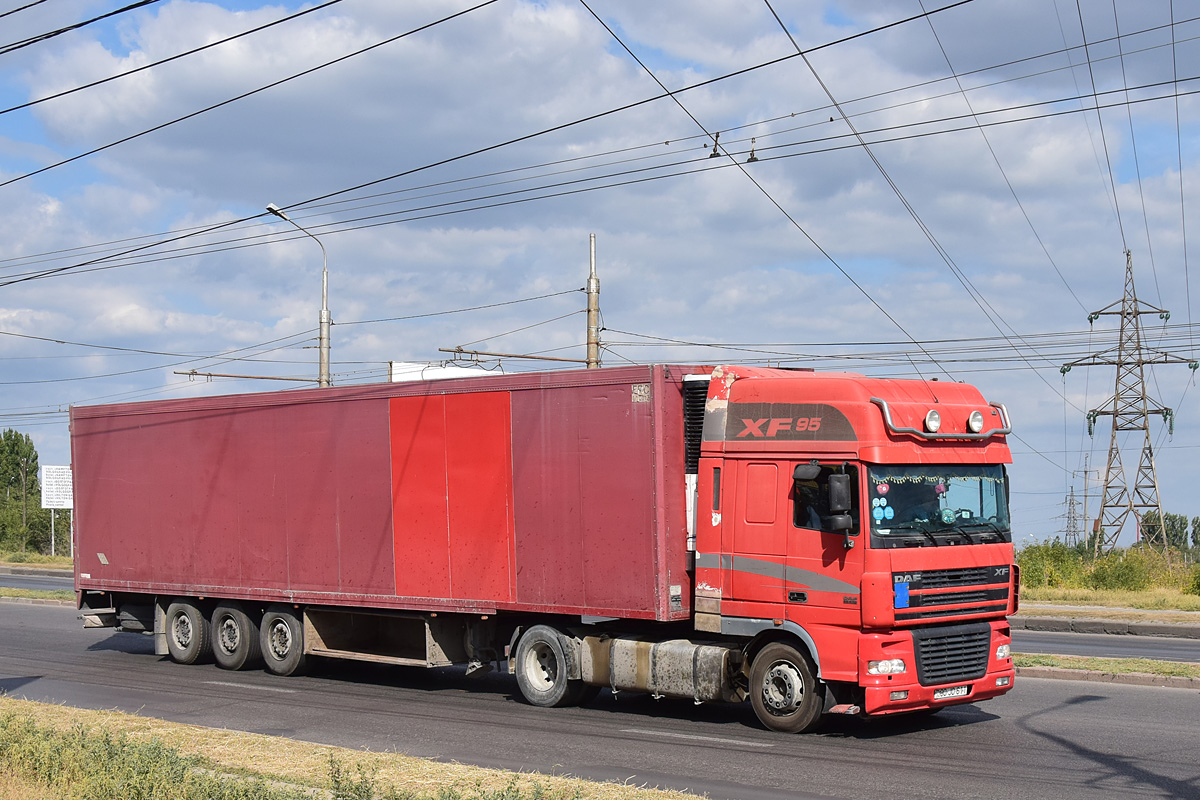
{"x": 251, "y": 686}
{"x": 694, "y": 737}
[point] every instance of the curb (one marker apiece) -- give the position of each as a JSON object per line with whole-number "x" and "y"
{"x": 37, "y": 601}
{"x": 1127, "y": 678}
{"x": 1110, "y": 626}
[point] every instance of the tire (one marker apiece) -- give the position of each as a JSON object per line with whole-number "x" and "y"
{"x": 785, "y": 695}
{"x": 235, "y": 642}
{"x": 187, "y": 633}
{"x": 281, "y": 640}
{"x": 541, "y": 665}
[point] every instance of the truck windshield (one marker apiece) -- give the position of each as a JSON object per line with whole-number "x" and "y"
{"x": 932, "y": 505}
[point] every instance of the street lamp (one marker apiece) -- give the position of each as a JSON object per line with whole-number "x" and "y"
{"x": 323, "y": 335}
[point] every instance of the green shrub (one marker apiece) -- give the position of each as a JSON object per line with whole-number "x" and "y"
{"x": 1129, "y": 571}
{"x": 1051, "y": 564}
{"x": 1194, "y": 587}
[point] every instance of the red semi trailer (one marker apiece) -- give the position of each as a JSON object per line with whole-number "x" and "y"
{"x": 817, "y": 543}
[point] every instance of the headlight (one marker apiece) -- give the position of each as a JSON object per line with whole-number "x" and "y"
{"x": 1003, "y": 652}
{"x": 975, "y": 422}
{"x": 933, "y": 421}
{"x": 891, "y": 666}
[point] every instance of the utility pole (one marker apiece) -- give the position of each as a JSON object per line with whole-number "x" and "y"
{"x": 593, "y": 310}
{"x": 323, "y": 319}
{"x": 1131, "y": 408}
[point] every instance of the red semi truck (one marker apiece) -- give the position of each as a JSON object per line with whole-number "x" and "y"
{"x": 815, "y": 542}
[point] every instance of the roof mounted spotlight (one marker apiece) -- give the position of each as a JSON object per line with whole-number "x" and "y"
{"x": 933, "y": 421}
{"x": 975, "y": 422}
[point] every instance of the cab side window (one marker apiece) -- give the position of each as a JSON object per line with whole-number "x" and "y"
{"x": 810, "y": 498}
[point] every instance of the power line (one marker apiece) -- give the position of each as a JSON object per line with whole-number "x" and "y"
{"x": 22, "y": 8}
{"x": 13, "y": 46}
{"x": 244, "y": 95}
{"x": 169, "y": 59}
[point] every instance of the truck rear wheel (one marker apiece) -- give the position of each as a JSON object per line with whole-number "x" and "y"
{"x": 187, "y": 632}
{"x": 542, "y": 670}
{"x": 785, "y": 695}
{"x": 234, "y": 637}
{"x": 281, "y": 639}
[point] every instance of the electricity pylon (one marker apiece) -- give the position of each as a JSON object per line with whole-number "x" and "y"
{"x": 1073, "y": 528}
{"x": 1131, "y": 408}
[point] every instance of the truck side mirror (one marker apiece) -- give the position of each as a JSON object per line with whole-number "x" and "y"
{"x": 840, "y": 503}
{"x": 840, "y": 500}
{"x": 806, "y": 472}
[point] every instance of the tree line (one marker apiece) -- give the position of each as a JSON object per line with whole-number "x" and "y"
{"x": 24, "y": 524}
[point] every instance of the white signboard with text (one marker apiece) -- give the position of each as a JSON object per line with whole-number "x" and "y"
{"x": 56, "y": 488}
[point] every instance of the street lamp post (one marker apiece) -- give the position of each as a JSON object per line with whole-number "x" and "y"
{"x": 323, "y": 334}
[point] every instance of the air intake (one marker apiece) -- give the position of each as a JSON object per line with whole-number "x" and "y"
{"x": 695, "y": 393}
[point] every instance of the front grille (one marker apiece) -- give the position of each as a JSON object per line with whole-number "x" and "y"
{"x": 921, "y": 595}
{"x": 966, "y": 576}
{"x": 952, "y": 653}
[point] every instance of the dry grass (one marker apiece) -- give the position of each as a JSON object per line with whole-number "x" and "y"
{"x": 16, "y": 559}
{"x": 300, "y": 763}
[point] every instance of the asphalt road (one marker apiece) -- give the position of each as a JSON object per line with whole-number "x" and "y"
{"x": 1046, "y": 738}
{"x": 1107, "y": 646}
{"x": 41, "y": 583}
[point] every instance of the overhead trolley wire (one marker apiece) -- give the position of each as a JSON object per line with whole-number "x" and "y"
{"x": 762, "y": 189}
{"x": 447, "y": 209}
{"x": 1100, "y": 118}
{"x": 999, "y": 166}
{"x": 26, "y": 259}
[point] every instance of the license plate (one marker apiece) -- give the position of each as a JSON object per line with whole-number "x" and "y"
{"x": 951, "y": 691}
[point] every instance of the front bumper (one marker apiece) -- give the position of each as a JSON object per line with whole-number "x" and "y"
{"x": 975, "y": 679}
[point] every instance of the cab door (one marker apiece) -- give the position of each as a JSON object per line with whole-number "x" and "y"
{"x": 759, "y": 528}
{"x": 823, "y": 576}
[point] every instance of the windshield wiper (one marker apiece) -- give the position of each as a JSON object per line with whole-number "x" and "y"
{"x": 916, "y": 526}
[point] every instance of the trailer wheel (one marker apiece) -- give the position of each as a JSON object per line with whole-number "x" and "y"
{"x": 234, "y": 637}
{"x": 785, "y": 695}
{"x": 542, "y": 670}
{"x": 281, "y": 639}
{"x": 187, "y": 632}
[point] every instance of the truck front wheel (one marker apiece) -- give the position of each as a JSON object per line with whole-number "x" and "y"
{"x": 785, "y": 695}
{"x": 187, "y": 632}
{"x": 542, "y": 671}
{"x": 234, "y": 637}
{"x": 281, "y": 639}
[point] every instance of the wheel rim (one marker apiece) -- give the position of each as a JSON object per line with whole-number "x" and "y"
{"x": 541, "y": 667}
{"x": 783, "y": 689}
{"x": 181, "y": 631}
{"x": 280, "y": 639}
{"x": 228, "y": 635}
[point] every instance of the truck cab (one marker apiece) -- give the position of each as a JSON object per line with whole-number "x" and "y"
{"x": 856, "y": 531}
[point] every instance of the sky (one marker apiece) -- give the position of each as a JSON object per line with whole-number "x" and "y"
{"x": 938, "y": 189}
